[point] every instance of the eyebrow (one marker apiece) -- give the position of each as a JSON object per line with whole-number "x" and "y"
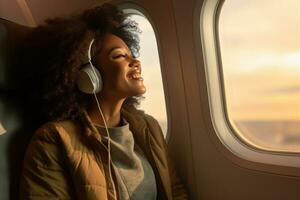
{"x": 114, "y": 48}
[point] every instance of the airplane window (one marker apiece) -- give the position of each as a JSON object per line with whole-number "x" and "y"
{"x": 154, "y": 102}
{"x": 260, "y": 53}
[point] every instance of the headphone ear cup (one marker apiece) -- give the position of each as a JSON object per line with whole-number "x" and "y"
{"x": 89, "y": 80}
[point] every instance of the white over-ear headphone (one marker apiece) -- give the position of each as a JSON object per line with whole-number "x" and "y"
{"x": 89, "y": 79}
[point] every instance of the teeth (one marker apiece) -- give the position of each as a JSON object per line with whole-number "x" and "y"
{"x": 136, "y": 74}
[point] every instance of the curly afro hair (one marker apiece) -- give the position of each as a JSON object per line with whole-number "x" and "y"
{"x": 55, "y": 51}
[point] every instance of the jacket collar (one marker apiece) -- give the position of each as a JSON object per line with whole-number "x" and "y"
{"x": 90, "y": 129}
{"x": 134, "y": 117}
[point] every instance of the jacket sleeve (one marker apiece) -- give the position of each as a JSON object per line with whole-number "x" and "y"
{"x": 179, "y": 191}
{"x": 44, "y": 173}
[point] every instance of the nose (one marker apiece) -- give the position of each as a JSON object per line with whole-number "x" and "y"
{"x": 135, "y": 63}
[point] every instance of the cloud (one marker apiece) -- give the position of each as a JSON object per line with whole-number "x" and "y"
{"x": 260, "y": 24}
{"x": 285, "y": 90}
{"x": 265, "y": 93}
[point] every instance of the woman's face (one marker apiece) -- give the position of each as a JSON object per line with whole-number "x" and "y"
{"x": 121, "y": 73}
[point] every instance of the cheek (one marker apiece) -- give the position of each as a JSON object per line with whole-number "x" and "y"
{"x": 118, "y": 73}
{"x": 115, "y": 76}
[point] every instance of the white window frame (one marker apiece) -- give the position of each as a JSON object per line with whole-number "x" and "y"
{"x": 217, "y": 105}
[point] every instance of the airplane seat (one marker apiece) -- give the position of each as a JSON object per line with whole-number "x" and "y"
{"x": 17, "y": 117}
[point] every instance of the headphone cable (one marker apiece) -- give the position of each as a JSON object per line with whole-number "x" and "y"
{"x": 107, "y": 132}
{"x": 108, "y": 142}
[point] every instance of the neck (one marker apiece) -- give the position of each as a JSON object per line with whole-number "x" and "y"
{"x": 111, "y": 109}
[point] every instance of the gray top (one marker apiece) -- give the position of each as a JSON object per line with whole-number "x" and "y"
{"x": 134, "y": 174}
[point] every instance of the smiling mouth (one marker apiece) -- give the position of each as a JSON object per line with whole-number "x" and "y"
{"x": 135, "y": 75}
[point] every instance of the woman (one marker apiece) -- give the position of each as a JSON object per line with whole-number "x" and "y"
{"x": 95, "y": 146}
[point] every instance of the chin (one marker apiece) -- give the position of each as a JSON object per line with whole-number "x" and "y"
{"x": 139, "y": 92}
{"x": 142, "y": 91}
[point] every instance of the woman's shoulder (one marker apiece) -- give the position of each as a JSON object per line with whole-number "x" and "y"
{"x": 53, "y": 131}
{"x": 45, "y": 132}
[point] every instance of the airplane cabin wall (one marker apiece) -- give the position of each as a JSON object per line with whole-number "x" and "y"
{"x": 219, "y": 174}
{"x": 10, "y": 10}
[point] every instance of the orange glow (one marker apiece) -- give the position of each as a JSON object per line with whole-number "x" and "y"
{"x": 260, "y": 44}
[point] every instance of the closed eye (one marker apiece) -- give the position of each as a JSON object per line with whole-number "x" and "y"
{"x": 119, "y": 56}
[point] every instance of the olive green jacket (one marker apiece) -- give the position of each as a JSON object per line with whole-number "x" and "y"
{"x": 66, "y": 160}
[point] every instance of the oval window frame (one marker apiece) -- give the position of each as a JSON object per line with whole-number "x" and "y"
{"x": 224, "y": 130}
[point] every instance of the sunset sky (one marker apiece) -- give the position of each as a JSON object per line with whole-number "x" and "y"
{"x": 260, "y": 49}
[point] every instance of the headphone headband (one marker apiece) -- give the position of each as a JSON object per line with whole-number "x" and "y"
{"x": 90, "y": 49}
